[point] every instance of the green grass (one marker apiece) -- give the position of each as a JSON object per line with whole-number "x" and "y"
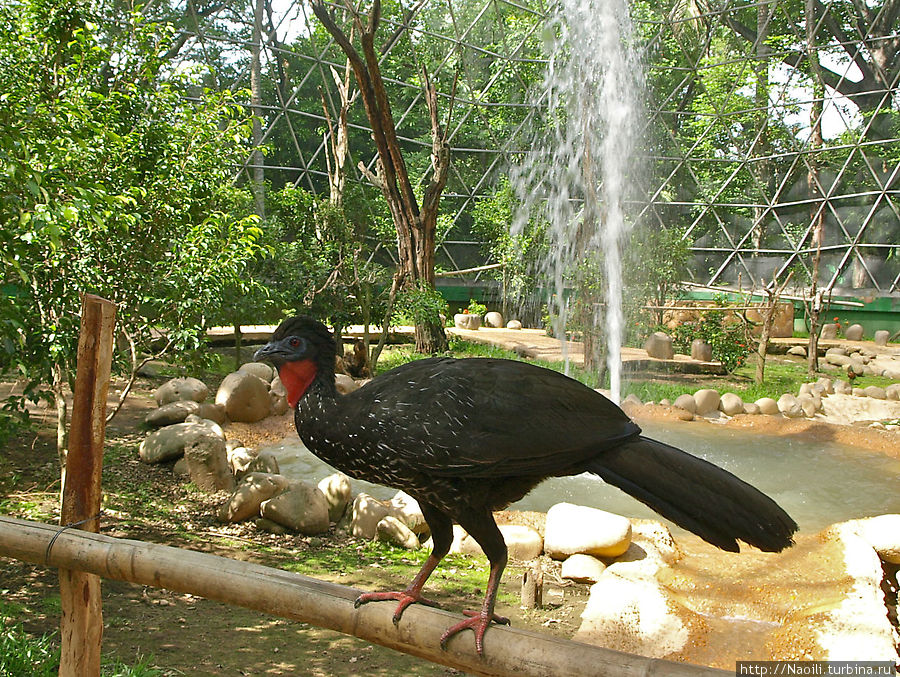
{"x": 25, "y": 655}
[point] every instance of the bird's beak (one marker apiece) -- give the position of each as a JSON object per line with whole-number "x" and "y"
{"x": 266, "y": 352}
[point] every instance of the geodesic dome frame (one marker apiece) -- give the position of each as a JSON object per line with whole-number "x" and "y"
{"x": 736, "y": 93}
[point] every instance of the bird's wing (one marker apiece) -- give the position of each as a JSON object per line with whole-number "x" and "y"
{"x": 482, "y": 417}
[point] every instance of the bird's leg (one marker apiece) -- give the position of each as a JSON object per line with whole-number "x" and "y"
{"x": 441, "y": 538}
{"x": 411, "y": 595}
{"x": 488, "y": 536}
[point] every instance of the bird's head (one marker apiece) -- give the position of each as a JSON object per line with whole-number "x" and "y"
{"x": 301, "y": 349}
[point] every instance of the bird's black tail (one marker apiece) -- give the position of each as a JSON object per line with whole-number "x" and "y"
{"x": 696, "y": 495}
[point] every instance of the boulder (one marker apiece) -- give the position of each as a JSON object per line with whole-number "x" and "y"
{"x": 212, "y": 412}
{"x": 345, "y": 384}
{"x": 582, "y": 569}
{"x": 278, "y": 397}
{"x": 207, "y": 463}
{"x": 212, "y": 425}
{"x": 514, "y": 324}
{"x": 731, "y": 404}
{"x": 707, "y": 401}
{"x": 842, "y": 388}
{"x": 301, "y": 507}
{"x": 789, "y": 405}
{"x": 858, "y": 392}
{"x": 686, "y": 402}
{"x": 838, "y": 350}
{"x": 522, "y": 543}
{"x": 883, "y": 534}
{"x": 467, "y": 321}
{"x": 245, "y": 397}
{"x": 752, "y": 409}
{"x": 168, "y": 443}
{"x": 701, "y": 350}
{"x": 272, "y": 527}
{"x": 881, "y": 337}
{"x": 493, "y": 319}
{"x": 180, "y": 469}
{"x": 825, "y": 385}
{"x": 239, "y": 459}
{"x": 392, "y": 530}
{"x": 767, "y": 406}
{"x": 572, "y": 529}
{"x": 171, "y": 413}
{"x": 797, "y": 351}
{"x": 258, "y": 369}
{"x": 837, "y": 359}
{"x": 808, "y": 405}
{"x": 892, "y": 392}
{"x": 875, "y": 392}
{"x": 854, "y": 332}
{"x": 405, "y": 508}
{"x": 188, "y": 388}
{"x": 365, "y": 515}
{"x": 337, "y": 492}
{"x": 252, "y": 490}
{"x": 829, "y": 331}
{"x": 631, "y": 398}
{"x": 659, "y": 346}
{"x": 265, "y": 462}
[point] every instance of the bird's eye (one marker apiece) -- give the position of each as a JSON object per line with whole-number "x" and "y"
{"x": 294, "y": 342}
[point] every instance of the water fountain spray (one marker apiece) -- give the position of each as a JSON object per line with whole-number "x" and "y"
{"x": 576, "y": 173}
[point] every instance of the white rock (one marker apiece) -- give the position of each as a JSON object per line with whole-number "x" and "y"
{"x": 798, "y": 351}
{"x": 701, "y": 350}
{"x": 875, "y": 392}
{"x": 392, "y": 530}
{"x": 493, "y": 319}
{"x": 572, "y": 529}
{"x": 767, "y": 406}
{"x": 301, "y": 508}
{"x": 212, "y": 425}
{"x": 731, "y": 404}
{"x": 752, "y": 408}
{"x": 405, "y": 508}
{"x": 631, "y": 398}
{"x": 245, "y": 397}
{"x": 207, "y": 462}
{"x": 686, "y": 402}
{"x": 337, "y": 492}
{"x": 707, "y": 401}
{"x": 842, "y": 388}
{"x": 181, "y": 389}
{"x": 467, "y": 321}
{"x": 514, "y": 324}
{"x": 881, "y": 337}
{"x": 892, "y": 392}
{"x": 659, "y": 346}
{"x": 883, "y": 533}
{"x": 808, "y": 405}
{"x": 345, "y": 384}
{"x": 168, "y": 443}
{"x": 253, "y": 489}
{"x": 258, "y": 369}
{"x": 829, "y": 331}
{"x": 854, "y": 332}
{"x": 826, "y": 385}
{"x": 582, "y": 569}
{"x": 171, "y": 413}
{"x": 790, "y": 406}
{"x": 365, "y": 515}
{"x": 522, "y": 543}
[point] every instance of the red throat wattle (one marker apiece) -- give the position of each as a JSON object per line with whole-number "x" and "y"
{"x": 297, "y": 377}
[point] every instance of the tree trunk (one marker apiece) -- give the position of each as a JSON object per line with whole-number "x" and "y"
{"x": 257, "y": 173}
{"x": 814, "y": 305}
{"x": 416, "y": 227}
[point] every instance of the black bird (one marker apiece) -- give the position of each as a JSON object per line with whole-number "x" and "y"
{"x": 466, "y": 437}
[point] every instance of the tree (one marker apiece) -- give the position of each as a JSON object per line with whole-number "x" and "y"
{"x": 416, "y": 225}
{"x": 111, "y": 184}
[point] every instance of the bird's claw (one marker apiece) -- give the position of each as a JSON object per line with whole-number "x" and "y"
{"x": 479, "y": 622}
{"x": 405, "y": 598}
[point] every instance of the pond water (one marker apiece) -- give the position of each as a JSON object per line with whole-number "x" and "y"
{"x": 818, "y": 483}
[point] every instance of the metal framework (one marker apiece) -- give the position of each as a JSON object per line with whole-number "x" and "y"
{"x": 732, "y": 159}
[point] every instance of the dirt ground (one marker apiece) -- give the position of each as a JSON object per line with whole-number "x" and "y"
{"x": 186, "y": 635}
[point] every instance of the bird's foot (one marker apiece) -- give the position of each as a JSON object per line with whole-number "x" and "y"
{"x": 405, "y": 598}
{"x": 479, "y": 622}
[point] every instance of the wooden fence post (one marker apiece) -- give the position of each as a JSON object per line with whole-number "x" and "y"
{"x": 81, "y": 625}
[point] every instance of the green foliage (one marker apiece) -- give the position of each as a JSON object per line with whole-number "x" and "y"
{"x": 721, "y": 330}
{"x": 22, "y": 655}
{"x": 476, "y": 308}
{"x": 110, "y": 183}
{"x": 421, "y": 304}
